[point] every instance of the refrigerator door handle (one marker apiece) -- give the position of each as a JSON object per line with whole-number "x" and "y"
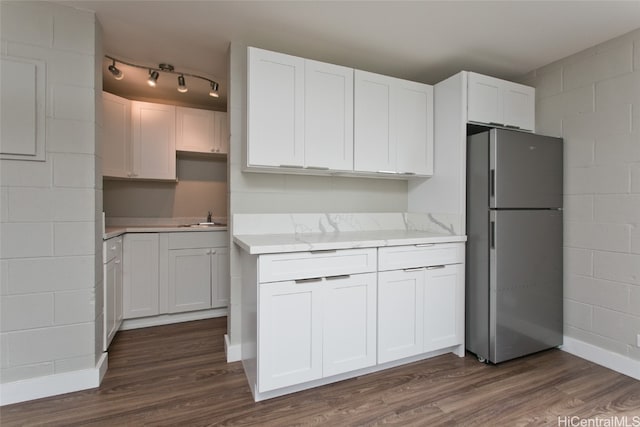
{"x": 492, "y": 183}
{"x": 492, "y": 235}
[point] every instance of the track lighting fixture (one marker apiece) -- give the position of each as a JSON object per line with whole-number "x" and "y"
{"x": 154, "y": 74}
{"x": 214, "y": 90}
{"x": 182, "y": 87}
{"x": 117, "y": 74}
{"x": 153, "y": 78}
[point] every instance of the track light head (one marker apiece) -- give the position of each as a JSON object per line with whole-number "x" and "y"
{"x": 182, "y": 87}
{"x": 214, "y": 90}
{"x": 153, "y": 78}
{"x": 117, "y": 74}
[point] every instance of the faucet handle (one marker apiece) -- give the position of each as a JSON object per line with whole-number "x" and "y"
{"x": 209, "y": 216}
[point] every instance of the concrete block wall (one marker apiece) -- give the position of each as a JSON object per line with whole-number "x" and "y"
{"x": 592, "y": 100}
{"x": 50, "y": 221}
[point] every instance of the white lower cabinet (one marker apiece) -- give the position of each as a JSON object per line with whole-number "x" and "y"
{"x": 175, "y": 272}
{"x": 400, "y": 314}
{"x": 290, "y": 324}
{"x": 112, "y": 252}
{"x": 140, "y": 275}
{"x": 349, "y": 323}
{"x": 311, "y": 316}
{"x": 420, "y": 308}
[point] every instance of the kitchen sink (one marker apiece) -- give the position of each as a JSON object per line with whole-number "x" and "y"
{"x": 204, "y": 225}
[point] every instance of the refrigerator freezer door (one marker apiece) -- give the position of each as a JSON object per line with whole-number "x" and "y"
{"x": 525, "y": 293}
{"x": 525, "y": 170}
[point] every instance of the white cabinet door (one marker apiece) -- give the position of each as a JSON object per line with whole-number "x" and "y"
{"x": 221, "y": 132}
{"x": 519, "y": 106}
{"x": 189, "y": 280}
{"x": 349, "y": 323}
{"x": 374, "y": 128}
{"x": 275, "y": 103}
{"x": 414, "y": 114}
{"x": 328, "y": 131}
{"x": 500, "y": 102}
{"x": 154, "y": 140}
{"x": 220, "y": 277}
{"x": 195, "y": 130}
{"x": 444, "y": 307}
{"x": 400, "y": 314}
{"x": 290, "y": 334}
{"x": 140, "y": 275}
{"x": 110, "y": 279}
{"x": 116, "y": 136}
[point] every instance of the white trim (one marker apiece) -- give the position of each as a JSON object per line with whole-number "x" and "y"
{"x": 167, "y": 319}
{"x": 52, "y": 385}
{"x": 233, "y": 351}
{"x": 603, "y": 357}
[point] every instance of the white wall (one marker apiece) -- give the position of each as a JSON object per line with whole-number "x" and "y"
{"x": 50, "y": 253}
{"x": 276, "y": 193}
{"x": 592, "y": 100}
{"x": 201, "y": 187}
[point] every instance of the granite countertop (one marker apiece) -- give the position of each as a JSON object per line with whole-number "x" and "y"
{"x": 110, "y": 232}
{"x": 257, "y": 244}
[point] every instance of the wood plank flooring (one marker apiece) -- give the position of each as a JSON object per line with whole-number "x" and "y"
{"x": 177, "y": 375}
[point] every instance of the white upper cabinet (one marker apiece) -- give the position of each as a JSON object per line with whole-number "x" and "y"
{"x": 393, "y": 125}
{"x": 275, "y": 109}
{"x": 374, "y": 131}
{"x": 116, "y": 136}
{"x": 154, "y": 140}
{"x": 201, "y": 131}
{"x": 328, "y": 131}
{"x": 414, "y": 128}
{"x": 499, "y": 102}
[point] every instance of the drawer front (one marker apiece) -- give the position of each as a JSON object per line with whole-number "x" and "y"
{"x": 306, "y": 265}
{"x": 198, "y": 239}
{"x": 111, "y": 249}
{"x": 412, "y": 256}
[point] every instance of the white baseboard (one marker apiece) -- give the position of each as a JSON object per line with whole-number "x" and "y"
{"x": 52, "y": 385}
{"x": 233, "y": 352}
{"x": 167, "y": 319}
{"x": 603, "y": 357}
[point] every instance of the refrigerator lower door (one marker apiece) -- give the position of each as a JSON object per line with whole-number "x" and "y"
{"x": 525, "y": 290}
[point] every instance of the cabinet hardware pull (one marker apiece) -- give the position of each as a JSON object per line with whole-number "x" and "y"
{"x": 425, "y": 245}
{"x": 311, "y": 279}
{"x": 512, "y": 126}
{"x": 324, "y": 251}
{"x": 212, "y": 252}
{"x": 292, "y": 166}
{"x": 320, "y": 168}
{"x": 342, "y": 276}
{"x": 414, "y": 269}
{"x": 408, "y": 173}
{"x": 435, "y": 267}
{"x": 388, "y": 172}
{"x": 496, "y": 123}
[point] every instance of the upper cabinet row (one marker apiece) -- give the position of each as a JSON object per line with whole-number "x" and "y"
{"x": 140, "y": 139}
{"x": 497, "y": 102}
{"x": 311, "y": 117}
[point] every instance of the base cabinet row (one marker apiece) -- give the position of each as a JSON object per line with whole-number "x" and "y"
{"x": 309, "y": 325}
{"x": 174, "y": 272}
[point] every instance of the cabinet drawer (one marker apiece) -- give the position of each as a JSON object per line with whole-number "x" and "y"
{"x": 305, "y": 265}
{"x": 198, "y": 239}
{"x": 398, "y": 257}
{"x": 112, "y": 248}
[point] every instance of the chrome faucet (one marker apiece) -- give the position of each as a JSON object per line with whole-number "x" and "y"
{"x": 209, "y": 216}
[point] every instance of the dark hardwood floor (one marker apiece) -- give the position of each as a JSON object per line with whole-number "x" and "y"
{"x": 177, "y": 375}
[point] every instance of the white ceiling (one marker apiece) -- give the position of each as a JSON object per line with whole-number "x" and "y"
{"x": 424, "y": 41}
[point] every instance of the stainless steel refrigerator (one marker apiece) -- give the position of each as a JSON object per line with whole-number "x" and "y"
{"x": 514, "y": 247}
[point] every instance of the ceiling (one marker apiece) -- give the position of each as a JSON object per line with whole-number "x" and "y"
{"x": 424, "y": 41}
